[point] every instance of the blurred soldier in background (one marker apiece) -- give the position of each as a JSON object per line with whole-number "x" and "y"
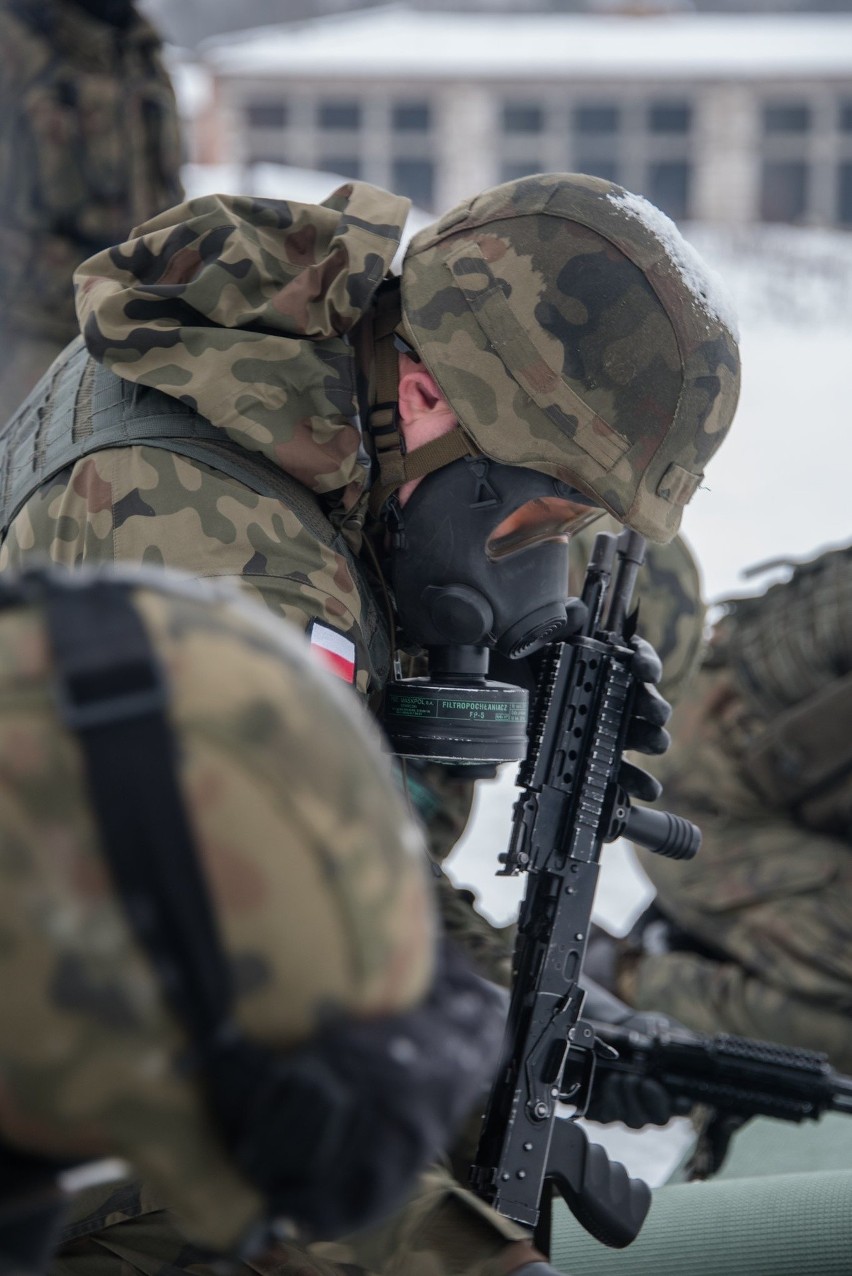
{"x": 255, "y": 398}
{"x": 218, "y": 938}
{"x": 755, "y": 935}
{"x": 89, "y": 148}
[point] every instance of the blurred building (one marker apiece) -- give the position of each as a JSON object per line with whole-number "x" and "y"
{"x": 724, "y": 118}
{"x": 192, "y": 21}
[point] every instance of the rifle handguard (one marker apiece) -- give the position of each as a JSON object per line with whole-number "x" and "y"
{"x": 661, "y": 832}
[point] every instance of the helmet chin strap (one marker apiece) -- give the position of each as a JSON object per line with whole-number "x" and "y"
{"x": 396, "y": 466}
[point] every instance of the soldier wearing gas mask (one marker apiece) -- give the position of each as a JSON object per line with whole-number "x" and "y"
{"x": 256, "y": 397}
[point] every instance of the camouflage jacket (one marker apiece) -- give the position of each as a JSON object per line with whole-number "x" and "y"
{"x": 762, "y": 761}
{"x": 89, "y": 146}
{"x": 765, "y": 731}
{"x": 232, "y": 325}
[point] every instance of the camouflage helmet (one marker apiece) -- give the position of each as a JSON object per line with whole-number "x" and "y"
{"x": 312, "y": 865}
{"x": 574, "y": 331}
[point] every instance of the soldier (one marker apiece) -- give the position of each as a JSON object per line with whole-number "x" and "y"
{"x": 256, "y": 399}
{"x": 218, "y": 935}
{"x": 89, "y": 147}
{"x": 753, "y": 937}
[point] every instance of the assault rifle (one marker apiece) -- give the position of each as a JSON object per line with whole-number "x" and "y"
{"x": 570, "y": 804}
{"x": 735, "y": 1077}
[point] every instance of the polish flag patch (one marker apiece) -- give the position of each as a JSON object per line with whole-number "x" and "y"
{"x": 334, "y": 649}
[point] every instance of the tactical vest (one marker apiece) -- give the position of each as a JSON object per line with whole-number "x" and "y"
{"x": 790, "y": 651}
{"x": 80, "y": 407}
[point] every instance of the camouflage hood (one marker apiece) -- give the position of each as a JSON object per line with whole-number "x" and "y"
{"x": 574, "y": 331}
{"x": 242, "y": 308}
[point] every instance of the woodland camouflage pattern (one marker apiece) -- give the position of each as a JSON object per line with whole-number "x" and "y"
{"x": 89, "y": 148}
{"x": 770, "y": 894}
{"x": 563, "y": 331}
{"x": 256, "y": 314}
{"x": 316, "y": 876}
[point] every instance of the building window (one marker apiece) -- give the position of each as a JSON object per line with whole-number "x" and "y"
{"x": 669, "y": 117}
{"x": 846, "y": 115}
{"x": 593, "y": 119}
{"x": 784, "y": 190}
{"x": 786, "y": 117}
{"x": 266, "y": 114}
{"x": 844, "y": 194}
{"x": 414, "y": 178}
{"x": 342, "y": 165}
{"x": 668, "y": 187}
{"x": 411, "y": 117}
{"x": 512, "y": 170}
{"x": 522, "y": 117}
{"x": 339, "y": 115}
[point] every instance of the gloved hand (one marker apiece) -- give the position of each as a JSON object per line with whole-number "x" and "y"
{"x": 646, "y": 733}
{"x": 617, "y": 1096}
{"x": 634, "y": 1101}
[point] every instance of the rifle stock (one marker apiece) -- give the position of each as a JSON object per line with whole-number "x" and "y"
{"x": 570, "y": 804}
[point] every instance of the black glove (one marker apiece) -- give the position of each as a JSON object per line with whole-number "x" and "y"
{"x": 646, "y": 732}
{"x": 634, "y": 1101}
{"x": 617, "y": 1096}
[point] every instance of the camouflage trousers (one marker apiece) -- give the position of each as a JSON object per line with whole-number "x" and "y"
{"x": 775, "y": 903}
{"x": 443, "y": 1231}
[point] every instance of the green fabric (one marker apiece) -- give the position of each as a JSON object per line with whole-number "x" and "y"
{"x": 777, "y": 1147}
{"x": 775, "y": 1225}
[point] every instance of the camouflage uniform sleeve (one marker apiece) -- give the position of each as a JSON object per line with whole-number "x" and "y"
{"x": 147, "y": 505}
{"x": 769, "y": 898}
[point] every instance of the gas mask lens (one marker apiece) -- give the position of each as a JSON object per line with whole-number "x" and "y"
{"x": 546, "y": 518}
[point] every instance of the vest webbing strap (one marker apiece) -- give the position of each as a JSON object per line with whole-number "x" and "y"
{"x": 424, "y": 460}
{"x": 113, "y": 696}
{"x": 384, "y": 412}
{"x": 396, "y": 466}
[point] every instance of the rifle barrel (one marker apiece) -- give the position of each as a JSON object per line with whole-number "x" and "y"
{"x": 842, "y": 1101}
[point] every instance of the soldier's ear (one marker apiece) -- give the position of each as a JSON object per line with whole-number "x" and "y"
{"x": 420, "y": 396}
{"x": 424, "y": 413}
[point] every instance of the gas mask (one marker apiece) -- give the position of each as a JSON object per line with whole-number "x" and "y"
{"x": 478, "y": 562}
